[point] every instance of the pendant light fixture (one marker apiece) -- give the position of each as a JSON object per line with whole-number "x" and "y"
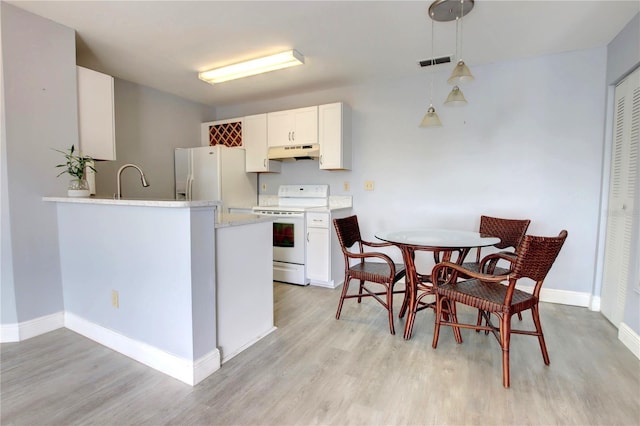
{"x": 431, "y": 118}
{"x": 461, "y": 72}
{"x": 445, "y": 11}
{"x": 456, "y": 97}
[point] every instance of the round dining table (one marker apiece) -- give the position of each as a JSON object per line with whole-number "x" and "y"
{"x": 443, "y": 243}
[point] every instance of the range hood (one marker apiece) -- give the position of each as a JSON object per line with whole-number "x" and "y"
{"x": 294, "y": 152}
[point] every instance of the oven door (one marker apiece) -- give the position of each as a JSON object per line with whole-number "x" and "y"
{"x": 288, "y": 239}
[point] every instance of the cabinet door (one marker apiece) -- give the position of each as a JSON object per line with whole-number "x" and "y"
{"x": 254, "y": 138}
{"x": 279, "y": 128}
{"x": 335, "y": 136}
{"x": 305, "y": 131}
{"x": 96, "y": 117}
{"x": 318, "y": 254}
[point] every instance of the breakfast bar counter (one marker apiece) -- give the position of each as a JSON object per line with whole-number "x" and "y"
{"x": 151, "y": 278}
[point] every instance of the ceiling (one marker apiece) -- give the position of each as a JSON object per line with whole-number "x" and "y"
{"x": 163, "y": 44}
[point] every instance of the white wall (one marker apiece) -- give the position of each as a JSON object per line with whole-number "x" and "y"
{"x": 40, "y": 101}
{"x": 528, "y": 145}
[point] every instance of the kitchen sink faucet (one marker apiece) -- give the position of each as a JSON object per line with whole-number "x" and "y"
{"x": 144, "y": 181}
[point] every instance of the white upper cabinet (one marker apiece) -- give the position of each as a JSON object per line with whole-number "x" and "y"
{"x": 334, "y": 123}
{"x": 293, "y": 127}
{"x": 96, "y": 114}
{"x": 254, "y": 138}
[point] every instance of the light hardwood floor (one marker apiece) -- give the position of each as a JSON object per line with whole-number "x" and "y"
{"x": 316, "y": 370}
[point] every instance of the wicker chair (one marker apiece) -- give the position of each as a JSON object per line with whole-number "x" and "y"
{"x": 510, "y": 232}
{"x": 384, "y": 273}
{"x": 534, "y": 258}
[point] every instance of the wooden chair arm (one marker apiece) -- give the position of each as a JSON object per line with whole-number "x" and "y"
{"x": 440, "y": 269}
{"x": 373, "y": 244}
{"x": 489, "y": 262}
{"x": 378, "y": 255}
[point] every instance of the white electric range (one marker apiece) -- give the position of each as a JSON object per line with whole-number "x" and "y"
{"x": 289, "y": 233}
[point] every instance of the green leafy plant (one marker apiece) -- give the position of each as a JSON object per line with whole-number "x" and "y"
{"x": 76, "y": 165}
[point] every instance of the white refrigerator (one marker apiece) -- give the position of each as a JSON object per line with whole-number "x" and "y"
{"x": 215, "y": 173}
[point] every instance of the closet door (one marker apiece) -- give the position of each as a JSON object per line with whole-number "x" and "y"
{"x": 621, "y": 245}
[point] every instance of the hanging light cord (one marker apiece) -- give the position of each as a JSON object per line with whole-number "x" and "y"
{"x": 433, "y": 62}
{"x": 461, "y": 32}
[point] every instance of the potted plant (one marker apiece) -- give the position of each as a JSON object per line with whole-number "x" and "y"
{"x": 76, "y": 166}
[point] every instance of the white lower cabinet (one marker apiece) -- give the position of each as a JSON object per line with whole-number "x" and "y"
{"x": 318, "y": 252}
{"x": 325, "y": 262}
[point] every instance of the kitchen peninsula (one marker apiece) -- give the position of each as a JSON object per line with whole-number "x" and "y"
{"x": 160, "y": 282}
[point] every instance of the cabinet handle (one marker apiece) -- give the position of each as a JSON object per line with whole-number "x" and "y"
{"x": 320, "y": 158}
{"x": 293, "y": 136}
{"x": 289, "y": 136}
{"x": 264, "y": 163}
{"x": 307, "y": 237}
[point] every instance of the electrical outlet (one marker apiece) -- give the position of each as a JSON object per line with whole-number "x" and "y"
{"x": 115, "y": 299}
{"x": 368, "y": 185}
{"x": 264, "y": 187}
{"x": 346, "y": 186}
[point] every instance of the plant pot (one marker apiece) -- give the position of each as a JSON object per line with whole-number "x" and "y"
{"x": 78, "y": 188}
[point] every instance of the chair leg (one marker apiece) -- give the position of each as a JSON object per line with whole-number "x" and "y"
{"x": 520, "y": 316}
{"x": 505, "y": 339}
{"x": 479, "y": 321}
{"x": 436, "y": 327}
{"x": 345, "y": 288}
{"x": 360, "y": 290}
{"x": 390, "y": 307}
{"x": 453, "y": 318}
{"x": 543, "y": 347}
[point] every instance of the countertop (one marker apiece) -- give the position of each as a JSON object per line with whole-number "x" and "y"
{"x": 225, "y": 220}
{"x": 131, "y": 202}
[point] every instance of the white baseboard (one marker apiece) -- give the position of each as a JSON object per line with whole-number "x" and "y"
{"x": 563, "y": 297}
{"x": 205, "y": 366}
{"x": 330, "y": 284}
{"x": 32, "y": 328}
{"x": 9, "y": 333}
{"x": 595, "y": 303}
{"x": 182, "y": 369}
{"x": 629, "y": 338}
{"x": 227, "y": 357}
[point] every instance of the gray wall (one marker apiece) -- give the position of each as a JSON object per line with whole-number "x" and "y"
{"x": 40, "y": 114}
{"x": 623, "y": 56}
{"x": 528, "y": 145}
{"x": 623, "y": 53}
{"x": 40, "y": 104}
{"x": 149, "y": 125}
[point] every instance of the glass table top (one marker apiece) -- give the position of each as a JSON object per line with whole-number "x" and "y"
{"x": 436, "y": 237}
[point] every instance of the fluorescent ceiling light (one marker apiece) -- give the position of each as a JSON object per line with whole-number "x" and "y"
{"x": 278, "y": 61}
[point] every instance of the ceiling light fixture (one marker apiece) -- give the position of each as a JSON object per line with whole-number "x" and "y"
{"x": 265, "y": 64}
{"x": 448, "y": 10}
{"x": 431, "y": 118}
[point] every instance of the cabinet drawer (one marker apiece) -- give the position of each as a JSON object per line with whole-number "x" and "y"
{"x": 318, "y": 220}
